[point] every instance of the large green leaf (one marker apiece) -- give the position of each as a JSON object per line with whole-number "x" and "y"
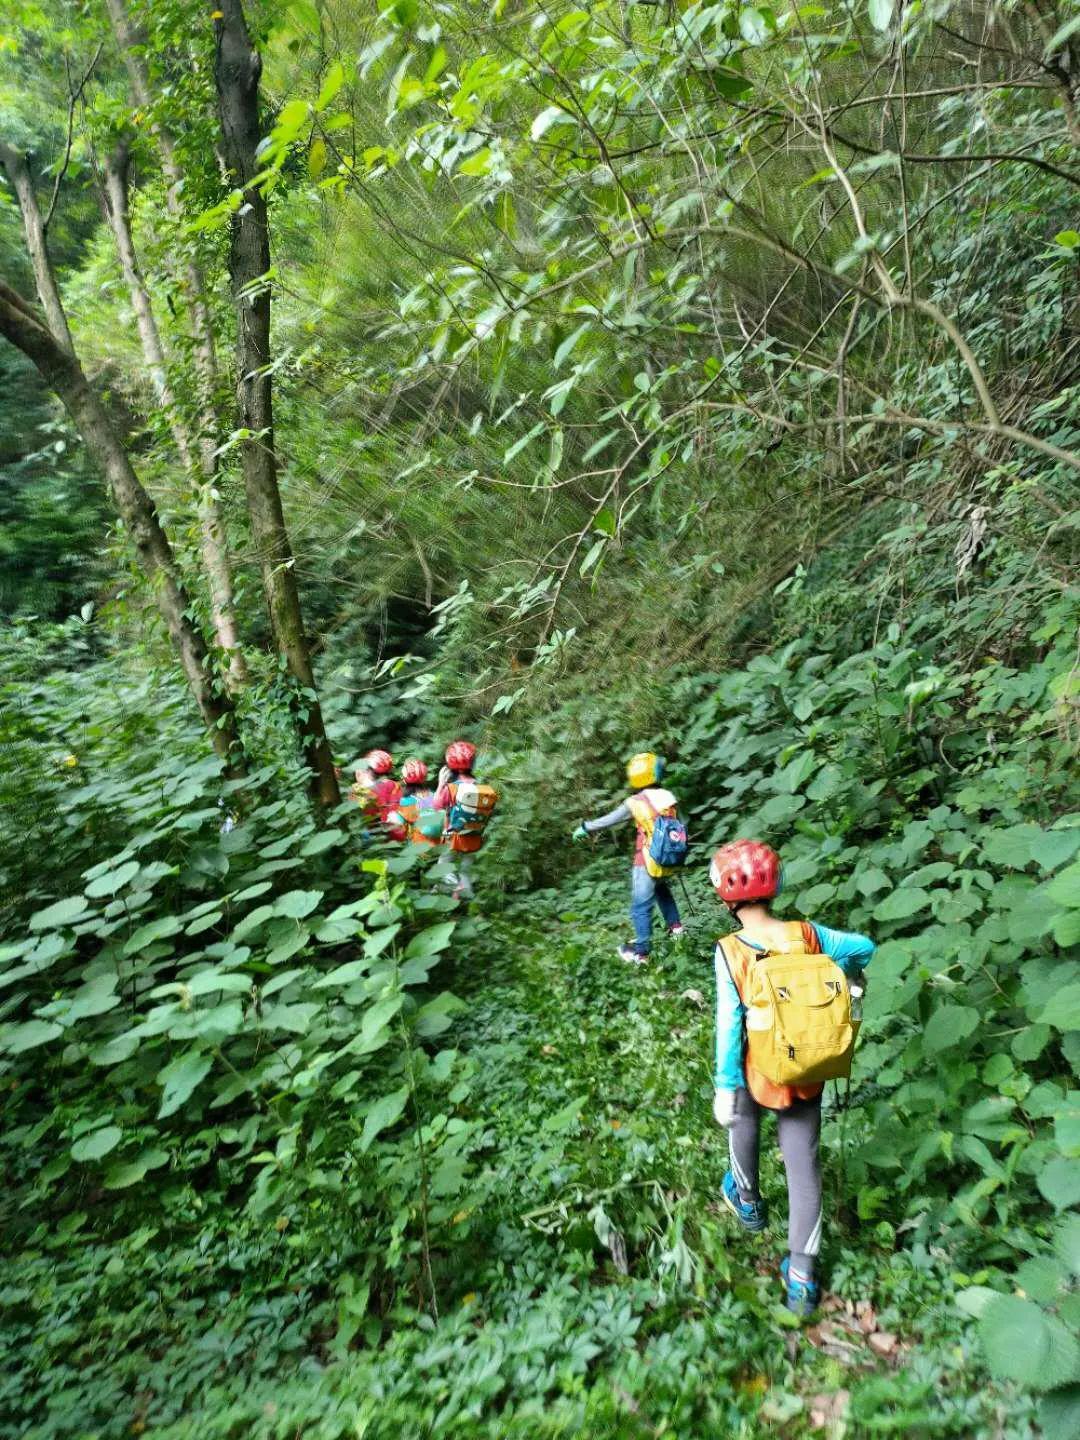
{"x": 431, "y": 941}
{"x": 113, "y": 880}
{"x": 130, "y": 1172}
{"x": 295, "y": 904}
{"x": 1016, "y": 1339}
{"x": 1059, "y": 1182}
{"x": 97, "y": 1143}
{"x": 384, "y": 1113}
{"x": 1063, "y": 1011}
{"x": 163, "y": 928}
{"x": 61, "y": 912}
{"x": 29, "y": 1035}
{"x": 179, "y": 1078}
{"x": 901, "y": 903}
{"x": 1065, "y": 888}
{"x": 948, "y": 1025}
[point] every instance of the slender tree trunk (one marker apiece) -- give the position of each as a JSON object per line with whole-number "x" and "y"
{"x": 27, "y": 331}
{"x": 236, "y": 71}
{"x": 18, "y": 172}
{"x": 211, "y": 527}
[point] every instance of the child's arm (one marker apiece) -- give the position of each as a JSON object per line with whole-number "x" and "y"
{"x": 605, "y": 822}
{"x": 851, "y": 951}
{"x": 728, "y": 1073}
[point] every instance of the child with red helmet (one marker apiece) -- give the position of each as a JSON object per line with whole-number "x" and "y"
{"x": 376, "y": 791}
{"x": 416, "y": 809}
{"x": 747, "y": 875}
{"x": 468, "y": 804}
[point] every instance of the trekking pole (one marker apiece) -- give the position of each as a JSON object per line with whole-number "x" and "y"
{"x": 686, "y": 897}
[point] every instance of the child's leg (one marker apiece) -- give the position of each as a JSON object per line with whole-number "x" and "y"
{"x": 743, "y": 1137}
{"x": 642, "y": 891}
{"x": 799, "y": 1129}
{"x": 666, "y": 901}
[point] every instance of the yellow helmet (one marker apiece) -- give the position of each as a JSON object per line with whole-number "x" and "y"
{"x": 644, "y": 769}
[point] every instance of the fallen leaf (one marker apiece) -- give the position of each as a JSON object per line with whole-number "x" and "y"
{"x": 864, "y": 1313}
{"x": 695, "y": 996}
{"x": 882, "y": 1343}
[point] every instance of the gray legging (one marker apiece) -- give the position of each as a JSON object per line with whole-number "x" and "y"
{"x": 799, "y": 1130}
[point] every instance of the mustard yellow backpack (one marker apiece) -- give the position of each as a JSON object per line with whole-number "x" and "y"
{"x": 799, "y": 1026}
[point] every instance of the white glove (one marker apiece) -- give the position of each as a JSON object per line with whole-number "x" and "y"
{"x": 723, "y": 1107}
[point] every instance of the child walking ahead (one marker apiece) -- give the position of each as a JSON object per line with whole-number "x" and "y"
{"x": 754, "y": 1073}
{"x": 649, "y": 802}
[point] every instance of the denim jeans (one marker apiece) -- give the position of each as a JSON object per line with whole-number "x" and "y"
{"x": 643, "y": 891}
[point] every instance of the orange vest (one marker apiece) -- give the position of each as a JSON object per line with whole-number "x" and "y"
{"x": 739, "y": 956}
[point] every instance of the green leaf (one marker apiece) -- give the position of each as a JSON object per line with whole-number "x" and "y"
{"x": 97, "y": 1143}
{"x": 974, "y": 1300}
{"x": 113, "y": 880}
{"x": 435, "y": 1017}
{"x": 130, "y": 1172}
{"x": 29, "y": 1035}
{"x": 294, "y": 1018}
{"x": 948, "y": 1025}
{"x": 431, "y": 941}
{"x": 1052, "y": 848}
{"x": 160, "y": 929}
{"x": 1040, "y": 1278}
{"x": 1059, "y": 1413}
{"x": 120, "y": 1047}
{"x": 1059, "y": 1182}
{"x": 1025, "y": 1344}
{"x": 901, "y": 903}
{"x": 1067, "y": 1243}
{"x": 567, "y": 1117}
{"x": 295, "y": 904}
{"x": 343, "y": 975}
{"x": 384, "y": 1113}
{"x": 179, "y": 1078}
{"x": 1065, "y": 888}
{"x": 324, "y": 840}
{"x": 1063, "y": 1010}
{"x": 61, "y": 912}
{"x": 335, "y": 78}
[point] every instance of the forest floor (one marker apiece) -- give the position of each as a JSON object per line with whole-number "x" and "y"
{"x": 598, "y": 1289}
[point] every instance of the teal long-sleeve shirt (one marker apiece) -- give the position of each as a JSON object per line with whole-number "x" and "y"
{"x": 851, "y": 951}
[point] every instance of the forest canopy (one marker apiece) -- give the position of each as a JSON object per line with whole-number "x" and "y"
{"x": 581, "y": 379}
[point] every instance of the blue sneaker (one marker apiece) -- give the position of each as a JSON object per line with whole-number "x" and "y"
{"x": 751, "y": 1214}
{"x": 802, "y": 1295}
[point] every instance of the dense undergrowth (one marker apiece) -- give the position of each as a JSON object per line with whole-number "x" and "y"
{"x": 286, "y": 1152}
{"x": 615, "y": 408}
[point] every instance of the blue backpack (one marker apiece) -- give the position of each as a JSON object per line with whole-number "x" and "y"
{"x": 669, "y": 842}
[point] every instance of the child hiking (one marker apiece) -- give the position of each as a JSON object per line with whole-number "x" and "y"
{"x": 468, "y": 804}
{"x": 376, "y": 791}
{"x": 659, "y": 848}
{"x": 423, "y": 823}
{"x": 786, "y": 1020}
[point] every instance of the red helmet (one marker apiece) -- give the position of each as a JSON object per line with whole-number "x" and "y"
{"x": 745, "y": 870}
{"x": 380, "y": 762}
{"x": 413, "y": 772}
{"x": 460, "y": 755}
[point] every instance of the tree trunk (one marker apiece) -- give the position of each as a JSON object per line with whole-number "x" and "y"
{"x": 211, "y": 527}
{"x": 237, "y": 69}
{"x": 18, "y": 172}
{"x": 132, "y": 45}
{"x": 26, "y": 330}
